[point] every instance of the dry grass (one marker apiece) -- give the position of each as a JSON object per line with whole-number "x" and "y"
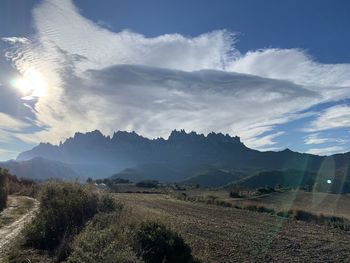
{"x": 223, "y": 234}
{"x": 313, "y": 202}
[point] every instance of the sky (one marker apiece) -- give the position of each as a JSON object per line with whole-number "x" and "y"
{"x": 275, "y": 73}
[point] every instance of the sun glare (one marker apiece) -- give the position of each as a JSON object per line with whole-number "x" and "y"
{"x": 31, "y": 84}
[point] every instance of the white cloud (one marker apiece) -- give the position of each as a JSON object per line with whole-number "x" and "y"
{"x": 16, "y": 40}
{"x": 317, "y": 138}
{"x": 334, "y": 117}
{"x": 264, "y": 142}
{"x": 294, "y": 65}
{"x": 99, "y": 79}
{"x": 327, "y": 150}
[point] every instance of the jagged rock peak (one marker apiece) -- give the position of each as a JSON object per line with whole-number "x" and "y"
{"x": 95, "y": 134}
{"x": 175, "y": 136}
{"x": 127, "y": 136}
{"x": 193, "y": 136}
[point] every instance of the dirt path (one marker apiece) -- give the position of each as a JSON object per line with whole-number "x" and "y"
{"x": 20, "y": 211}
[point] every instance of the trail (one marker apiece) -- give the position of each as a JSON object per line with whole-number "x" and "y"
{"x": 16, "y": 208}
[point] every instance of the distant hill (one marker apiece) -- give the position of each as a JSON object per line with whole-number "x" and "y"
{"x": 181, "y": 157}
{"x": 212, "y": 177}
{"x": 332, "y": 182}
{"x": 40, "y": 169}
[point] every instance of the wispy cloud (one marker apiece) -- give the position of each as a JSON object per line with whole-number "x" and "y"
{"x": 264, "y": 142}
{"x": 317, "y": 138}
{"x": 327, "y": 150}
{"x": 15, "y": 40}
{"x": 9, "y": 123}
{"x": 334, "y": 117}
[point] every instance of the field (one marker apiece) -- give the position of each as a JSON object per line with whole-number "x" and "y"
{"x": 222, "y": 234}
{"x": 314, "y": 202}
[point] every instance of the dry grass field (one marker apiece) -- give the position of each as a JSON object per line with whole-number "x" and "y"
{"x": 314, "y": 202}
{"x": 223, "y": 234}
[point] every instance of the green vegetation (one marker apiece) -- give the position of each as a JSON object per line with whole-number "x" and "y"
{"x": 214, "y": 177}
{"x": 148, "y": 184}
{"x": 64, "y": 210}
{"x": 158, "y": 244}
{"x": 208, "y": 199}
{"x": 106, "y": 238}
{"x": 234, "y": 194}
{"x": 256, "y": 208}
{"x": 10, "y": 184}
{"x": 79, "y": 223}
{"x": 4, "y": 188}
{"x": 320, "y": 219}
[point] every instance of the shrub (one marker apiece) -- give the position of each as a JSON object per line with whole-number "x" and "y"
{"x": 106, "y": 238}
{"x": 157, "y": 244}
{"x": 107, "y": 204}
{"x": 64, "y": 210}
{"x": 148, "y": 184}
{"x": 333, "y": 221}
{"x": 4, "y": 188}
{"x": 301, "y": 215}
{"x": 260, "y": 209}
{"x": 235, "y": 194}
{"x": 265, "y": 190}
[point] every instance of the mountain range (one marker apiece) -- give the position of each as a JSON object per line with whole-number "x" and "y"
{"x": 212, "y": 160}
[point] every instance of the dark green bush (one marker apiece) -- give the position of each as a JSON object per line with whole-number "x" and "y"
{"x": 107, "y": 204}
{"x": 148, "y": 184}
{"x": 265, "y": 190}
{"x": 106, "y": 238}
{"x": 64, "y": 210}
{"x": 320, "y": 219}
{"x": 260, "y": 209}
{"x": 4, "y": 188}
{"x": 158, "y": 244}
{"x": 235, "y": 194}
{"x": 333, "y": 221}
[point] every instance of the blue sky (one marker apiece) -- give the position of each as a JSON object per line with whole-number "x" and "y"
{"x": 273, "y": 72}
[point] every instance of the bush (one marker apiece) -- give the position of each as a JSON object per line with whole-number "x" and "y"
{"x": 158, "y": 244}
{"x": 301, "y": 215}
{"x": 260, "y": 209}
{"x": 64, "y": 210}
{"x": 265, "y": 190}
{"x": 106, "y": 238}
{"x": 235, "y": 194}
{"x": 148, "y": 184}
{"x": 4, "y": 188}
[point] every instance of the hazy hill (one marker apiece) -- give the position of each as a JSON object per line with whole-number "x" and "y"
{"x": 40, "y": 169}
{"x": 183, "y": 156}
{"x": 212, "y": 177}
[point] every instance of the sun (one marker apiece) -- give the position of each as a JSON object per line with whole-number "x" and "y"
{"x": 31, "y": 84}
